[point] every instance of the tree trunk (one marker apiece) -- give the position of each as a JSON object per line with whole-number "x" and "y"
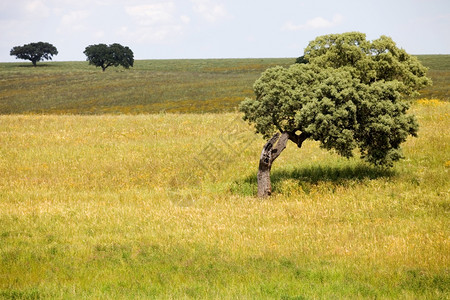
{"x": 269, "y": 153}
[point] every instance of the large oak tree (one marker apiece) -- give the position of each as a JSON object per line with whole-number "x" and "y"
{"x": 34, "y": 52}
{"x": 347, "y": 93}
{"x": 104, "y": 56}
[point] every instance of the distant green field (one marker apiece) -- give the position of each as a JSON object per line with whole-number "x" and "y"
{"x": 439, "y": 71}
{"x": 152, "y": 86}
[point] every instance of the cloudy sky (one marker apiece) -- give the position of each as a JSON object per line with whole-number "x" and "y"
{"x": 157, "y": 29}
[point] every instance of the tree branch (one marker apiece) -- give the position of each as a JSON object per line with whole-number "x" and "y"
{"x": 280, "y": 146}
{"x": 298, "y": 139}
{"x": 266, "y": 157}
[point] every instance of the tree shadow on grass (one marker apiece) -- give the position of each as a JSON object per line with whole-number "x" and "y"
{"x": 309, "y": 176}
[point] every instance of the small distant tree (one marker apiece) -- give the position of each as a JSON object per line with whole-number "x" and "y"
{"x": 104, "y": 56}
{"x": 347, "y": 93}
{"x": 34, "y": 52}
{"x": 301, "y": 60}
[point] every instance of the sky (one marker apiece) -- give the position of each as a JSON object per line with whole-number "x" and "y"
{"x": 172, "y": 29}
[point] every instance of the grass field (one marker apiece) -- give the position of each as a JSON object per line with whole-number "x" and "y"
{"x": 129, "y": 207}
{"x": 100, "y": 201}
{"x": 439, "y": 71}
{"x": 152, "y": 86}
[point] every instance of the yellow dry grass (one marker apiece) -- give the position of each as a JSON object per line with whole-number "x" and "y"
{"x": 144, "y": 207}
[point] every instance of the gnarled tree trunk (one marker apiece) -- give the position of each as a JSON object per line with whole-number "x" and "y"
{"x": 269, "y": 153}
{"x": 271, "y": 150}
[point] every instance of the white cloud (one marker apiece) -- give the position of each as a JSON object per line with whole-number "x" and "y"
{"x": 150, "y": 14}
{"x": 73, "y": 21}
{"x": 37, "y": 8}
{"x": 156, "y": 22}
{"x": 99, "y": 34}
{"x": 316, "y": 23}
{"x": 159, "y": 34}
{"x": 74, "y": 17}
{"x": 185, "y": 19}
{"x": 210, "y": 10}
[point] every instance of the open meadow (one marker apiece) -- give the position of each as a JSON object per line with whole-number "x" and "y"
{"x": 153, "y": 86}
{"x": 124, "y": 205}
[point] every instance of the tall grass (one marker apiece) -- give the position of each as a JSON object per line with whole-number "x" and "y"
{"x": 108, "y": 207}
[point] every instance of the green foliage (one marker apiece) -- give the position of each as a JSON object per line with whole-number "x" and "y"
{"x": 301, "y": 60}
{"x": 34, "y": 52}
{"x": 369, "y": 61}
{"x": 104, "y": 56}
{"x": 350, "y": 94}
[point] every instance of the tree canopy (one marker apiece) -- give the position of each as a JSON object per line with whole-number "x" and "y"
{"x": 346, "y": 93}
{"x": 104, "y": 56}
{"x": 350, "y": 94}
{"x": 34, "y": 52}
